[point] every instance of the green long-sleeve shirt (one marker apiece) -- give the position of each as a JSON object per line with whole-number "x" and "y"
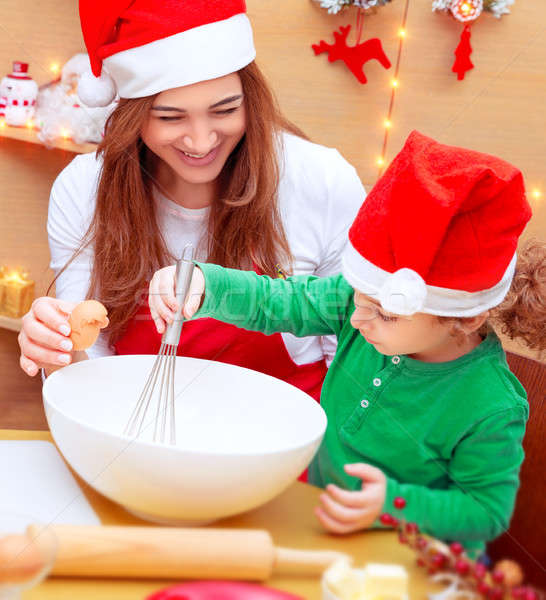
{"x": 448, "y": 435}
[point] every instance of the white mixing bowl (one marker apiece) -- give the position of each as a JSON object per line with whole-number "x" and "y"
{"x": 242, "y": 437}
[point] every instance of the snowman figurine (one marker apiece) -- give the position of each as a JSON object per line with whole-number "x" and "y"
{"x": 18, "y": 93}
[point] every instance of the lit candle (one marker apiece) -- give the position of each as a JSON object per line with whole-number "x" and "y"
{"x": 16, "y": 293}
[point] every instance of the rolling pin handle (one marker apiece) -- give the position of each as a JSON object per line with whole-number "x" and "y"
{"x": 305, "y": 562}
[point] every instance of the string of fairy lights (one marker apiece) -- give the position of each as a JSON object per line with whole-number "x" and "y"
{"x": 535, "y": 193}
{"x": 394, "y": 83}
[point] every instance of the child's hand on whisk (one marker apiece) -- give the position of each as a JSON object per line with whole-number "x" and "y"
{"x": 343, "y": 511}
{"x": 162, "y": 299}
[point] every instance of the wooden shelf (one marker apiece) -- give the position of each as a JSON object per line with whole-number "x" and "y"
{"x": 9, "y": 323}
{"x": 24, "y": 134}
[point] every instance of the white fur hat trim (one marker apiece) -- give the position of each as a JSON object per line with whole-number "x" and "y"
{"x": 401, "y": 291}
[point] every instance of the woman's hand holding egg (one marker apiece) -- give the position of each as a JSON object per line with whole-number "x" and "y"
{"x": 162, "y": 299}
{"x": 44, "y": 336}
{"x": 54, "y": 330}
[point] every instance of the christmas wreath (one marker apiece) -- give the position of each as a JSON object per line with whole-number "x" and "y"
{"x": 497, "y": 7}
{"x": 467, "y": 11}
{"x": 334, "y": 6}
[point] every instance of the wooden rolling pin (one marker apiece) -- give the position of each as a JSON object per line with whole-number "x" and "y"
{"x": 178, "y": 553}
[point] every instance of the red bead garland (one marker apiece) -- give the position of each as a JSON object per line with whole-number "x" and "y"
{"x": 412, "y": 528}
{"x": 456, "y": 548}
{"x": 387, "y": 519}
{"x": 498, "y": 576}
{"x": 462, "y": 566}
{"x": 437, "y": 557}
{"x": 399, "y": 503}
{"x": 479, "y": 571}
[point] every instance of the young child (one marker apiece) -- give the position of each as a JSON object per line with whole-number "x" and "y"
{"x": 420, "y": 402}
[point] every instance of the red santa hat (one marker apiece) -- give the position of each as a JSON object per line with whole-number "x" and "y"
{"x": 438, "y": 231}
{"x": 141, "y": 47}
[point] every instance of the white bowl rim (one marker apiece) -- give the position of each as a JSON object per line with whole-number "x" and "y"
{"x": 175, "y": 448}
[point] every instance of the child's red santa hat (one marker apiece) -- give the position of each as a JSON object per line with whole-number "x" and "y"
{"x": 141, "y": 47}
{"x": 438, "y": 231}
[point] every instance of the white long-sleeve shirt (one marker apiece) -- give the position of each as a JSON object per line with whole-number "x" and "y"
{"x": 319, "y": 196}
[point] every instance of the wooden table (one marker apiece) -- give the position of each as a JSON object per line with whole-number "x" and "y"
{"x": 289, "y": 519}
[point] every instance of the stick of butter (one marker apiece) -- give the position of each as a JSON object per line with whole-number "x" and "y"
{"x": 374, "y": 582}
{"x": 342, "y": 582}
{"x": 384, "y": 582}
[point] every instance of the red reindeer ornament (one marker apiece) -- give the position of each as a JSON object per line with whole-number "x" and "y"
{"x": 355, "y": 57}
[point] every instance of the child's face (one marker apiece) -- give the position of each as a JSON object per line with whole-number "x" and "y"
{"x": 421, "y": 336}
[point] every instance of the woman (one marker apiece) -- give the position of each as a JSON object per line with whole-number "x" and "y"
{"x": 196, "y": 152}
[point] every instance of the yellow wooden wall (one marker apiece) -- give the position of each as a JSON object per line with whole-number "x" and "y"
{"x": 499, "y": 108}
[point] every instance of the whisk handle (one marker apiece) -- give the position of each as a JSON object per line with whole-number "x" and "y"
{"x": 184, "y": 271}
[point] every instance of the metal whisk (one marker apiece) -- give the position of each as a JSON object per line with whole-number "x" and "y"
{"x": 159, "y": 388}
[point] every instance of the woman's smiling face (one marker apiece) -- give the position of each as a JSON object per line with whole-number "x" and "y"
{"x": 195, "y": 128}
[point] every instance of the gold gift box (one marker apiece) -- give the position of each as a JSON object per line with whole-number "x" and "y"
{"x": 16, "y": 293}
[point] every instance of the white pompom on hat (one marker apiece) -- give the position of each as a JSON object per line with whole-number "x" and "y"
{"x": 96, "y": 91}
{"x": 142, "y": 47}
{"x": 438, "y": 232}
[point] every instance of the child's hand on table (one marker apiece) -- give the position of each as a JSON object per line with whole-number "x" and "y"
{"x": 162, "y": 299}
{"x": 343, "y": 511}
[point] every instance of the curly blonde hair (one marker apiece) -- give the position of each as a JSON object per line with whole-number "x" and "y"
{"x": 522, "y": 314}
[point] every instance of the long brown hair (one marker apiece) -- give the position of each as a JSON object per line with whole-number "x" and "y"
{"x": 245, "y": 225}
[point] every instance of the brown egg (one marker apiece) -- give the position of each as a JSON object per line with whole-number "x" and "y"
{"x": 86, "y": 321}
{"x": 20, "y": 559}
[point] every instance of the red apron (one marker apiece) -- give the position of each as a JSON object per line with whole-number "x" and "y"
{"x": 213, "y": 340}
